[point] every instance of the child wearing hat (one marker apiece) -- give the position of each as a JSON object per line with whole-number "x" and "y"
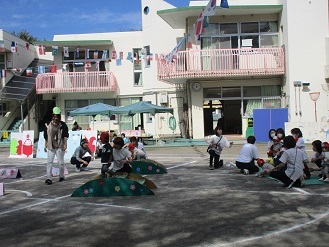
{"x": 106, "y": 153}
{"x": 136, "y": 153}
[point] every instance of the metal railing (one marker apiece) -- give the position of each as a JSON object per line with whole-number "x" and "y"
{"x": 222, "y": 62}
{"x": 76, "y": 82}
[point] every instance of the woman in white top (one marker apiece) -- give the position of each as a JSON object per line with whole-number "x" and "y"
{"x": 294, "y": 159}
{"x": 216, "y": 144}
{"x": 300, "y": 144}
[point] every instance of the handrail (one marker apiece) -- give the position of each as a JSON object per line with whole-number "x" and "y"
{"x": 10, "y": 118}
{"x": 222, "y": 62}
{"x": 76, "y": 82}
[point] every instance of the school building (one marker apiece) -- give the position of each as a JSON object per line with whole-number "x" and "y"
{"x": 255, "y": 65}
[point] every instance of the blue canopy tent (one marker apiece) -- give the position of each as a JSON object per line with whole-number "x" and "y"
{"x": 141, "y": 107}
{"x": 93, "y": 110}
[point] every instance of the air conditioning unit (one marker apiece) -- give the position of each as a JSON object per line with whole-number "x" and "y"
{"x": 326, "y": 71}
{"x": 163, "y": 98}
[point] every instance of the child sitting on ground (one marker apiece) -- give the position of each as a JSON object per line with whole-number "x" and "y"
{"x": 136, "y": 154}
{"x": 265, "y": 166}
{"x": 325, "y": 162}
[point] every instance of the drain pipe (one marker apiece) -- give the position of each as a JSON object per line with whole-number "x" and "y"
{"x": 189, "y": 102}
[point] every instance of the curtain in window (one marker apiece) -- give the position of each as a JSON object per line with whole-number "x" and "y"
{"x": 126, "y": 122}
{"x": 271, "y": 90}
{"x": 251, "y": 105}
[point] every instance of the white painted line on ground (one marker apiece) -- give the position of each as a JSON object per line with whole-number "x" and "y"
{"x": 23, "y": 191}
{"x": 266, "y": 192}
{"x": 181, "y": 165}
{"x": 32, "y": 205}
{"x": 29, "y": 206}
{"x": 274, "y": 233}
{"x": 116, "y": 206}
{"x": 302, "y": 191}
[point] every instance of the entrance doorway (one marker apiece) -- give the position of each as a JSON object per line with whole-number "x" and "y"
{"x": 230, "y": 116}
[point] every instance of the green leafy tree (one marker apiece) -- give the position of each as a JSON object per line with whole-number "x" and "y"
{"x": 25, "y": 35}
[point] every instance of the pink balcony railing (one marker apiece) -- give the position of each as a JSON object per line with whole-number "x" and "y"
{"x": 221, "y": 63}
{"x": 76, "y": 82}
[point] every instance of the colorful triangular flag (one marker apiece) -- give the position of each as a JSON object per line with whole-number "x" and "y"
{"x": 42, "y": 50}
{"x": 13, "y": 46}
{"x": 210, "y": 10}
{"x": 95, "y": 54}
{"x": 224, "y": 4}
{"x": 54, "y": 50}
{"x": 104, "y": 55}
{"x": 66, "y": 51}
{"x": 199, "y": 25}
{"x": 76, "y": 52}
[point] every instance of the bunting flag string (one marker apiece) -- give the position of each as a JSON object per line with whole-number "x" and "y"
{"x": 14, "y": 47}
{"x": 54, "y": 50}
{"x": 95, "y": 54}
{"x": 203, "y": 20}
{"x": 76, "y": 52}
{"x": 42, "y": 50}
{"x": 104, "y": 56}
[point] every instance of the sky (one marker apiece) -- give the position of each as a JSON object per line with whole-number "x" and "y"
{"x": 45, "y": 18}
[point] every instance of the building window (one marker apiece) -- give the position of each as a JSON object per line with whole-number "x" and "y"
{"x": 249, "y": 27}
{"x": 228, "y": 28}
{"x": 138, "y": 75}
{"x": 262, "y": 34}
{"x": 252, "y": 91}
{"x": 129, "y": 122}
{"x": 147, "y": 56}
{"x": 146, "y": 10}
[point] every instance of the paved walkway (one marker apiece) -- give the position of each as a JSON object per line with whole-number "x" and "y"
{"x": 192, "y": 206}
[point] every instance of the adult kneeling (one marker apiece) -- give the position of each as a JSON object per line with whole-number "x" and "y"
{"x": 82, "y": 156}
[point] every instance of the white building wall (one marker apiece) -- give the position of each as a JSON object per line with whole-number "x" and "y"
{"x": 305, "y": 26}
{"x": 20, "y": 59}
{"x": 161, "y": 38}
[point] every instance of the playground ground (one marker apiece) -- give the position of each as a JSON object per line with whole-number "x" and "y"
{"x": 192, "y": 206}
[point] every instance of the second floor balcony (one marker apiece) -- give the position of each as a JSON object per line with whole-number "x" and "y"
{"x": 75, "y": 82}
{"x": 212, "y": 63}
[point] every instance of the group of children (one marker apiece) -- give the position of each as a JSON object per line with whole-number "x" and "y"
{"x": 115, "y": 155}
{"x": 287, "y": 160}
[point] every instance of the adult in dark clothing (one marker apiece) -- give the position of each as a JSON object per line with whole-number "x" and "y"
{"x": 56, "y": 135}
{"x": 76, "y": 126}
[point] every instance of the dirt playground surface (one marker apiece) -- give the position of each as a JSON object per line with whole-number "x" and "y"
{"x": 192, "y": 206}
